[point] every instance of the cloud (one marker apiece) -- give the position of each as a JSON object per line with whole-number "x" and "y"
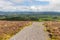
{"x": 54, "y": 5}
{"x": 16, "y": 1}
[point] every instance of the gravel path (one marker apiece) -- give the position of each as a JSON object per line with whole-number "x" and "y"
{"x": 33, "y": 32}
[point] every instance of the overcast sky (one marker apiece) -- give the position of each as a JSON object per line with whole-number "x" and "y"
{"x": 30, "y": 5}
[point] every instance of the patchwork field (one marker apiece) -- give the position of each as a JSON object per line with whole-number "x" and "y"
{"x": 53, "y": 27}
{"x": 10, "y": 28}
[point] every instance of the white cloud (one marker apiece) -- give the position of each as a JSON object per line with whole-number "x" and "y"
{"x": 53, "y": 6}
{"x": 8, "y": 6}
{"x": 16, "y": 1}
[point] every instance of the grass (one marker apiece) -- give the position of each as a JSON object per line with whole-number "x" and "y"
{"x": 10, "y": 28}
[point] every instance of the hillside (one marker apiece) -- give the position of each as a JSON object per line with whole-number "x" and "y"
{"x": 30, "y": 16}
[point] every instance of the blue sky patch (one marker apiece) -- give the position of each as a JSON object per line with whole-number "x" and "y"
{"x": 29, "y": 3}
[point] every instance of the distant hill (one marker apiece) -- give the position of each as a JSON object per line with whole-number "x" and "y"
{"x": 45, "y": 13}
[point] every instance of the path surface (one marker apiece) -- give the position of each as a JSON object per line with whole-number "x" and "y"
{"x": 33, "y": 32}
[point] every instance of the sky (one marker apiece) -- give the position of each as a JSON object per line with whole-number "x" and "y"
{"x": 30, "y": 5}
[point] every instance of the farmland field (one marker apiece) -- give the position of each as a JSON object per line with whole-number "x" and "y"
{"x": 10, "y": 28}
{"x": 53, "y": 27}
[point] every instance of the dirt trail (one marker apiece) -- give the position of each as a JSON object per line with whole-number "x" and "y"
{"x": 33, "y": 32}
